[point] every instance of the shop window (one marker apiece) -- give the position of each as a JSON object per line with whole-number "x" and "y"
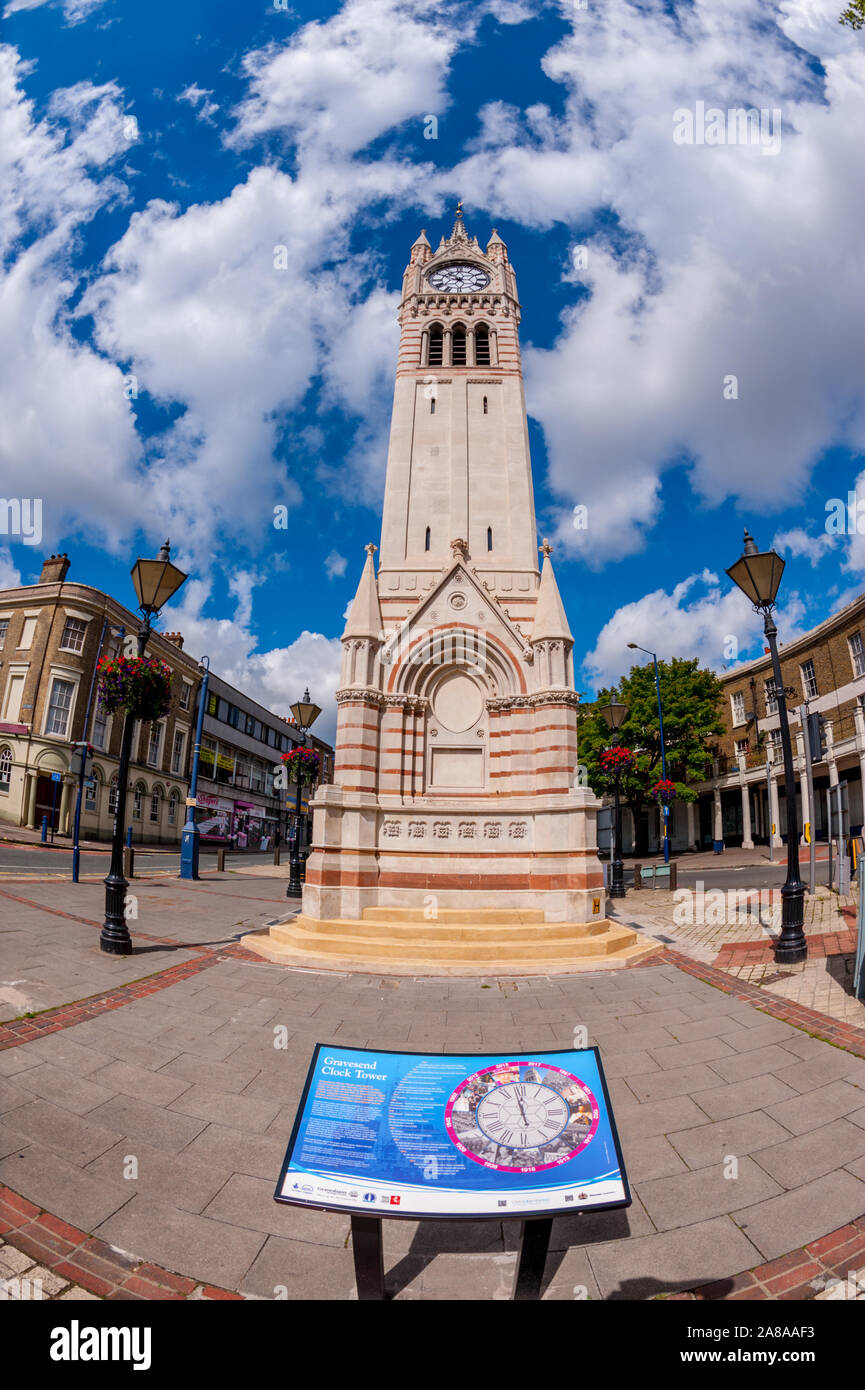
{"x": 112, "y": 796}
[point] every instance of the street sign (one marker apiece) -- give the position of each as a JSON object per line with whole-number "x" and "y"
{"x": 57, "y": 777}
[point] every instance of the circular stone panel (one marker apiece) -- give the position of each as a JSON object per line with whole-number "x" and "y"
{"x": 458, "y": 703}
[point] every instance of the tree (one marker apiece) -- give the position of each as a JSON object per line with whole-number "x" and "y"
{"x": 690, "y": 698}
{"x": 854, "y": 15}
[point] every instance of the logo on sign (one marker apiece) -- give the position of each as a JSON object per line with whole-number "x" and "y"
{"x": 369, "y": 1196}
{"x": 394, "y": 1201}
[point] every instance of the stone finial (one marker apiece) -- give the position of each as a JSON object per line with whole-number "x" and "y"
{"x": 370, "y": 548}
{"x": 545, "y": 548}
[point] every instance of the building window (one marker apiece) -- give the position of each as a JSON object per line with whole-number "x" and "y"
{"x": 172, "y": 808}
{"x": 177, "y": 751}
{"x": 857, "y": 654}
{"x": 74, "y": 632}
{"x": 426, "y": 539}
{"x": 137, "y": 801}
{"x": 4, "y": 628}
{"x": 489, "y": 538}
{"x": 5, "y": 769}
{"x": 432, "y": 405}
{"x": 775, "y": 741}
{"x": 59, "y": 706}
{"x": 27, "y": 632}
{"x": 482, "y": 352}
{"x": 486, "y": 406}
{"x": 154, "y": 747}
{"x": 91, "y": 794}
{"x": 185, "y": 695}
{"x": 458, "y": 347}
{"x": 738, "y": 704}
{"x": 742, "y": 749}
{"x": 771, "y": 696}
{"x": 14, "y": 696}
{"x": 99, "y": 731}
{"x": 212, "y": 702}
{"x": 809, "y": 680}
{"x": 112, "y": 796}
{"x": 436, "y": 347}
{"x": 154, "y": 807}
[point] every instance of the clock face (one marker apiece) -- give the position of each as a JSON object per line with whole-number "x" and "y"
{"x": 521, "y": 1117}
{"x": 455, "y": 278}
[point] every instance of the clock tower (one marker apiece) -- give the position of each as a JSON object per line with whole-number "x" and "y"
{"x": 458, "y": 829}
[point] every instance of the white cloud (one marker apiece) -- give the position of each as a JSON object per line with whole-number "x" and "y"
{"x": 65, "y": 423}
{"x": 720, "y": 258}
{"x": 10, "y": 575}
{"x": 74, "y": 11}
{"x": 340, "y": 83}
{"x": 276, "y": 677}
{"x": 197, "y": 97}
{"x": 800, "y": 543}
{"x": 335, "y": 565}
{"x": 698, "y": 618}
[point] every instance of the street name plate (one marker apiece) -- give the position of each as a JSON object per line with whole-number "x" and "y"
{"x": 460, "y": 1135}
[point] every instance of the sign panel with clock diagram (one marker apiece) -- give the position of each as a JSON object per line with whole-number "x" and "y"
{"x": 416, "y": 1134}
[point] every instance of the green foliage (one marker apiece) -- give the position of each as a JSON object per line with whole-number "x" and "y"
{"x": 854, "y": 15}
{"x": 689, "y": 698}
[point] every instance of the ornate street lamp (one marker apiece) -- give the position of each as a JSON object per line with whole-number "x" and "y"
{"x": 758, "y": 574}
{"x": 305, "y": 714}
{"x": 615, "y": 715}
{"x": 156, "y": 581}
{"x": 665, "y": 807}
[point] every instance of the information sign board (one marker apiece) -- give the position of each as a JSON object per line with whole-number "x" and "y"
{"x": 458, "y": 1135}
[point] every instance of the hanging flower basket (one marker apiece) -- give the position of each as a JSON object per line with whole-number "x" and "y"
{"x": 664, "y": 792}
{"x": 302, "y": 765}
{"x": 617, "y": 758}
{"x": 139, "y": 684}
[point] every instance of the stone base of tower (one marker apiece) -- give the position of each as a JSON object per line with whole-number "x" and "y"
{"x": 434, "y": 853}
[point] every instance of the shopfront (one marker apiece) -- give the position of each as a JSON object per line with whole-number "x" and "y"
{"x": 214, "y": 816}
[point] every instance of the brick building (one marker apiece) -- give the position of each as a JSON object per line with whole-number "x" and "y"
{"x": 825, "y": 669}
{"x": 52, "y": 634}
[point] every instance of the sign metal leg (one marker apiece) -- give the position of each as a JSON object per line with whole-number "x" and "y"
{"x": 532, "y": 1257}
{"x": 368, "y": 1248}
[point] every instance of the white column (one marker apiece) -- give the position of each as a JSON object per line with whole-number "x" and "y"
{"x": 774, "y": 812}
{"x": 692, "y": 832}
{"x": 803, "y": 787}
{"x": 470, "y": 347}
{"x": 718, "y": 819}
{"x": 747, "y": 838}
{"x": 446, "y": 349}
{"x": 65, "y": 798}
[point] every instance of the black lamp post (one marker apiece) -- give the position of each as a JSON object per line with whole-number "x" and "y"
{"x": 615, "y": 715}
{"x": 305, "y": 714}
{"x": 758, "y": 575}
{"x": 156, "y": 581}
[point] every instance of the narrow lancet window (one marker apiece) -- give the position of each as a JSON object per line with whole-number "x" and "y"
{"x": 489, "y": 538}
{"x": 426, "y": 540}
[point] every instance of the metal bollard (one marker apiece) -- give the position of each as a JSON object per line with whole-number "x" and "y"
{"x": 276, "y": 854}
{"x": 128, "y": 862}
{"x": 220, "y": 861}
{"x": 638, "y": 875}
{"x": 674, "y": 870}
{"x": 44, "y": 830}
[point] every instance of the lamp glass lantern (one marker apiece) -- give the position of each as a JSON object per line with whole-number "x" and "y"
{"x": 758, "y": 574}
{"x": 156, "y": 581}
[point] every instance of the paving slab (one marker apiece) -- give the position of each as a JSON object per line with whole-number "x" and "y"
{"x": 739, "y": 1097}
{"x": 672, "y": 1260}
{"x": 817, "y": 1107}
{"x": 794, "y": 1162}
{"x": 149, "y": 1124}
{"x": 686, "y": 1198}
{"x": 791, "y": 1220}
{"x": 166, "y": 1177}
{"x": 211, "y": 1251}
{"x": 704, "y": 1145}
{"x": 50, "y": 1181}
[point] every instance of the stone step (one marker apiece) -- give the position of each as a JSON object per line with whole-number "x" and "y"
{"x": 305, "y": 934}
{"x": 497, "y": 915}
{"x": 283, "y": 953}
{"x": 463, "y": 929}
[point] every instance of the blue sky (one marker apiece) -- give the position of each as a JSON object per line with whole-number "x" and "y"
{"x": 161, "y": 377}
